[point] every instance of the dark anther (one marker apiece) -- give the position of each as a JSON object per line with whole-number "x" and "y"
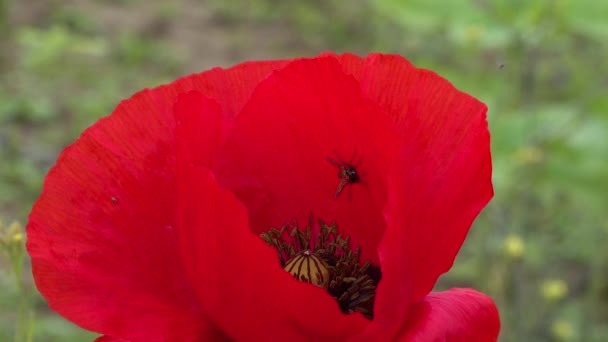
{"x": 328, "y": 261}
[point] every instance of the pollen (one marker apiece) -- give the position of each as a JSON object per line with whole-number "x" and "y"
{"x": 328, "y": 261}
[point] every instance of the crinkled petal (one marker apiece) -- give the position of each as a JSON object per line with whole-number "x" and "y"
{"x": 391, "y": 81}
{"x": 441, "y": 182}
{"x": 438, "y": 185}
{"x": 101, "y": 236}
{"x": 456, "y": 315}
{"x": 276, "y": 159}
{"x": 237, "y": 276}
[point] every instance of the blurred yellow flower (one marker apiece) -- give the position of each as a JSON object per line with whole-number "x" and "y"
{"x": 473, "y": 33}
{"x": 11, "y": 234}
{"x": 554, "y": 289}
{"x": 562, "y": 330}
{"x": 17, "y": 238}
{"x": 529, "y": 155}
{"x": 514, "y": 246}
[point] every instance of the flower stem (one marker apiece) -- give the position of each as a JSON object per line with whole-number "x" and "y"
{"x": 12, "y": 244}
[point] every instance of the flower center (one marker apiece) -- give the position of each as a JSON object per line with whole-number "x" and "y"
{"x": 327, "y": 261}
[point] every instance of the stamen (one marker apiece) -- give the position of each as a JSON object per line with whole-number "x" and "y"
{"x": 328, "y": 262}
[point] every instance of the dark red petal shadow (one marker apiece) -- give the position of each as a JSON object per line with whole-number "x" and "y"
{"x": 456, "y": 315}
{"x": 275, "y": 159}
{"x": 237, "y": 277}
{"x": 101, "y": 236}
{"x": 439, "y": 185}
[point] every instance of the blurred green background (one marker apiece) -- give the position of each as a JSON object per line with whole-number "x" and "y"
{"x": 539, "y": 249}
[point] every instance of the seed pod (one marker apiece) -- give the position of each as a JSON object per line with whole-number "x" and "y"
{"x": 308, "y": 267}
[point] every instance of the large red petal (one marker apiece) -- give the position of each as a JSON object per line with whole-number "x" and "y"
{"x": 440, "y": 182}
{"x": 457, "y": 315}
{"x": 238, "y": 279}
{"x": 275, "y": 160}
{"x": 101, "y": 236}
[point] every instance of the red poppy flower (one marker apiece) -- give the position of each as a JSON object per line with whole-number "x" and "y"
{"x": 189, "y": 213}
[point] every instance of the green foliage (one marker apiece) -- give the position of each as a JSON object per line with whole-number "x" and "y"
{"x": 540, "y": 65}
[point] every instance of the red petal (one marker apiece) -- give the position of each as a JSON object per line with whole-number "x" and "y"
{"x": 457, "y": 315}
{"x": 391, "y": 82}
{"x": 208, "y": 338}
{"x": 275, "y": 160}
{"x": 439, "y": 184}
{"x": 101, "y": 235}
{"x": 238, "y": 279}
{"x": 109, "y": 339}
{"x": 231, "y": 88}
{"x": 201, "y": 122}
